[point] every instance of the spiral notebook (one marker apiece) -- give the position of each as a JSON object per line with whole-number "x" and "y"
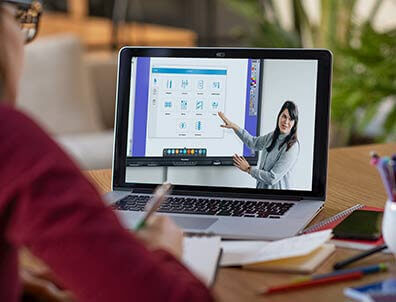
{"x": 333, "y": 221}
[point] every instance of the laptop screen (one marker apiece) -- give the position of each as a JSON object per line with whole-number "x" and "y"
{"x": 222, "y": 122}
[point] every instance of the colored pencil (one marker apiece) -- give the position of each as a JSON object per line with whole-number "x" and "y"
{"x": 365, "y": 270}
{"x": 382, "y": 167}
{"x": 311, "y": 283}
{"x": 392, "y": 172}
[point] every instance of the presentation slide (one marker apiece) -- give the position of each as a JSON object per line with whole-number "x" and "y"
{"x": 175, "y": 103}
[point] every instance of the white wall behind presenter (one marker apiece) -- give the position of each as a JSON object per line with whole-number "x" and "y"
{"x": 296, "y": 81}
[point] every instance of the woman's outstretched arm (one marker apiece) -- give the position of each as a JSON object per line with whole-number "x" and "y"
{"x": 48, "y": 205}
{"x": 256, "y": 143}
{"x": 253, "y": 142}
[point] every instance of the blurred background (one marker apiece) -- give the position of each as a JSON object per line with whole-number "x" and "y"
{"x": 70, "y": 70}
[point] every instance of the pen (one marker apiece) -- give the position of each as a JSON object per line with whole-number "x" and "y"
{"x": 383, "y": 167}
{"x": 381, "y": 164}
{"x": 392, "y": 173}
{"x": 365, "y": 270}
{"x": 311, "y": 283}
{"x": 154, "y": 204}
{"x": 374, "y": 157}
{"x": 369, "y": 252}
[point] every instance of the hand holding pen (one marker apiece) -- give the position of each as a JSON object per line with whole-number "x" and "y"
{"x": 154, "y": 204}
{"x": 160, "y": 232}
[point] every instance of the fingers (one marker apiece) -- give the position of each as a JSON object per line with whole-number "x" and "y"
{"x": 225, "y": 120}
{"x": 238, "y": 158}
{"x": 226, "y": 126}
{"x": 237, "y": 161}
{"x": 222, "y": 116}
{"x": 159, "y": 221}
{"x": 241, "y": 159}
{"x": 162, "y": 223}
{"x": 162, "y": 233}
{"x": 43, "y": 289}
{"x": 241, "y": 163}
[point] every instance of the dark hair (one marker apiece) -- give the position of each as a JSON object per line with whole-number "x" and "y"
{"x": 291, "y": 138}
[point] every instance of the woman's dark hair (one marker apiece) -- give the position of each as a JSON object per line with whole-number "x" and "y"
{"x": 291, "y": 138}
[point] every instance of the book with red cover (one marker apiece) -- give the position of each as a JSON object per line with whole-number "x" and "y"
{"x": 333, "y": 221}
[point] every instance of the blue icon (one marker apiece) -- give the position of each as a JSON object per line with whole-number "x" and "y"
{"x": 203, "y": 151}
{"x": 185, "y": 151}
{"x": 169, "y": 84}
{"x": 155, "y": 81}
{"x": 200, "y": 84}
{"x": 200, "y": 151}
{"x": 169, "y": 151}
{"x": 199, "y": 105}
{"x": 173, "y": 151}
{"x": 198, "y": 125}
{"x": 183, "y": 125}
{"x": 183, "y": 105}
{"x": 168, "y": 104}
{"x": 184, "y": 84}
{"x": 215, "y": 105}
{"x": 216, "y": 85}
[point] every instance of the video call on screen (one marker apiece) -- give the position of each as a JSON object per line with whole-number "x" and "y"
{"x": 174, "y": 131}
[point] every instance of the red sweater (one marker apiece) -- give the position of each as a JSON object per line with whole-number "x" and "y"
{"x": 47, "y": 205}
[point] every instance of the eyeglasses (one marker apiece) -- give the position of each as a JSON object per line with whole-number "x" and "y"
{"x": 27, "y": 14}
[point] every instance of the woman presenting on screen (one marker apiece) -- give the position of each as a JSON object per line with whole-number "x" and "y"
{"x": 279, "y": 149}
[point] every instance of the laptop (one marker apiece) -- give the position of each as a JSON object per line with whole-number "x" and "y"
{"x": 171, "y": 103}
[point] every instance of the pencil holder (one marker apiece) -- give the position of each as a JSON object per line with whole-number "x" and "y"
{"x": 389, "y": 226}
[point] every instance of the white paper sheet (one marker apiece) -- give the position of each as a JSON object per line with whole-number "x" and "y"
{"x": 201, "y": 255}
{"x": 247, "y": 252}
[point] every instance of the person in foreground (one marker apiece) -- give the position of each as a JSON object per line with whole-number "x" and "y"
{"x": 279, "y": 149}
{"x": 47, "y": 205}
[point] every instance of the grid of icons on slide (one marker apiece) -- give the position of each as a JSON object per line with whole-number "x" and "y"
{"x": 188, "y": 99}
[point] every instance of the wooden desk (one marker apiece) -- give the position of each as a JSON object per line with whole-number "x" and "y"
{"x": 351, "y": 180}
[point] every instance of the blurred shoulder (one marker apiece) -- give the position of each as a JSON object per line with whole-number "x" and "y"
{"x": 20, "y": 131}
{"x": 15, "y": 122}
{"x": 10, "y": 115}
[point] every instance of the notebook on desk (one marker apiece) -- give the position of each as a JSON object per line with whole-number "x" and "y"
{"x": 301, "y": 254}
{"x": 202, "y": 256}
{"x": 306, "y": 264}
{"x": 332, "y": 222}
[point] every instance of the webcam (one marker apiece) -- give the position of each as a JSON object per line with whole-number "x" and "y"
{"x": 220, "y": 54}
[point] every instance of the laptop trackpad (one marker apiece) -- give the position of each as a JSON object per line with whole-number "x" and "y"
{"x": 188, "y": 222}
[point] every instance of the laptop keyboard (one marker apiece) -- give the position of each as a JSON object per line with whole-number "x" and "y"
{"x": 206, "y": 206}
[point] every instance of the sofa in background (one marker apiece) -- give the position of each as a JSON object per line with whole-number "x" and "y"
{"x": 72, "y": 95}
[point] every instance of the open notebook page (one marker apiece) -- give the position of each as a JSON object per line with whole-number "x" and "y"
{"x": 247, "y": 252}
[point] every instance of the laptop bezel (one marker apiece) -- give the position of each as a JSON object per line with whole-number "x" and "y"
{"x": 322, "y": 119}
